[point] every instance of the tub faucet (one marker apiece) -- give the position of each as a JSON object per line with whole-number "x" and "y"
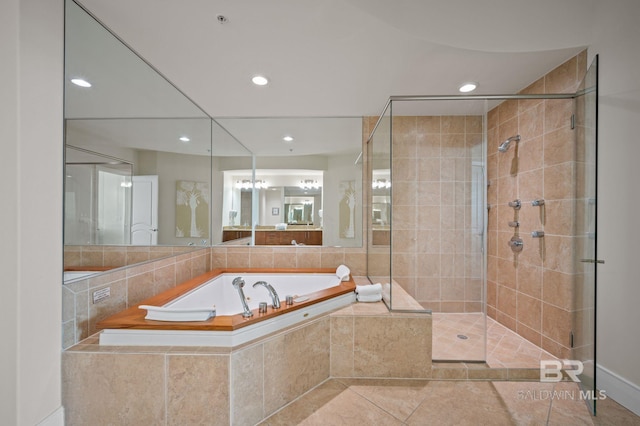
{"x": 275, "y": 300}
{"x": 238, "y": 283}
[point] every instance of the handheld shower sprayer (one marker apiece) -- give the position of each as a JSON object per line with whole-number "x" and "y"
{"x": 504, "y": 146}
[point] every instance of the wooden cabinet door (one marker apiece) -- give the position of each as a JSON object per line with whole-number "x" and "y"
{"x": 314, "y": 238}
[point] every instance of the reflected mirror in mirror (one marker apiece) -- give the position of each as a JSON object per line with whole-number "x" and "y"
{"x": 308, "y": 174}
{"x": 381, "y": 207}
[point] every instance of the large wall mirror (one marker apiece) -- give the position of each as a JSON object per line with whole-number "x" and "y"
{"x": 146, "y": 167}
{"x": 140, "y": 157}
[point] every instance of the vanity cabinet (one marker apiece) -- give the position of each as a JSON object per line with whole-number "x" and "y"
{"x": 279, "y": 238}
{"x": 233, "y": 234}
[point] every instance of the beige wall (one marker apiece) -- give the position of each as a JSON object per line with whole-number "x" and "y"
{"x": 31, "y": 186}
{"x": 171, "y": 168}
{"x": 616, "y": 36}
{"x": 532, "y": 293}
{"x": 9, "y": 113}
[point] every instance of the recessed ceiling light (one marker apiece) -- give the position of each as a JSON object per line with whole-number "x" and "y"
{"x": 468, "y": 87}
{"x": 288, "y": 139}
{"x": 260, "y": 80}
{"x": 184, "y": 139}
{"x": 80, "y": 82}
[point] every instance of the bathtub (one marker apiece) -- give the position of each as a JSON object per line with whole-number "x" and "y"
{"x": 75, "y": 275}
{"x": 318, "y": 291}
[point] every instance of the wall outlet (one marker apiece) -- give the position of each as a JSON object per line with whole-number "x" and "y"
{"x": 100, "y": 295}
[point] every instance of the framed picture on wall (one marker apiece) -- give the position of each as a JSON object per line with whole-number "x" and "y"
{"x": 192, "y": 209}
{"x": 275, "y": 211}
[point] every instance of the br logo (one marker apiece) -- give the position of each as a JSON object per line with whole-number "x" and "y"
{"x": 551, "y": 370}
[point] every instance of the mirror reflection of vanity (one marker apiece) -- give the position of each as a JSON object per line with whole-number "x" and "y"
{"x": 311, "y": 184}
{"x": 289, "y": 207}
{"x": 134, "y": 135}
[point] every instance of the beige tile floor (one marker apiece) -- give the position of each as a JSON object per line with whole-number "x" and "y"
{"x": 505, "y": 349}
{"x": 353, "y": 402}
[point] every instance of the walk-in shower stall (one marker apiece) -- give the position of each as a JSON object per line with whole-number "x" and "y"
{"x": 483, "y": 215}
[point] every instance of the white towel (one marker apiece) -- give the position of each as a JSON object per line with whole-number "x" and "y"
{"x": 369, "y": 289}
{"x": 386, "y": 291}
{"x": 343, "y": 272}
{"x": 371, "y": 298}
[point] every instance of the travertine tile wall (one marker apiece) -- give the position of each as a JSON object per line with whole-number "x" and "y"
{"x": 532, "y": 293}
{"x": 367, "y": 341}
{"x": 436, "y": 257}
{"x": 117, "y": 256}
{"x": 193, "y": 385}
{"x": 128, "y": 286}
{"x": 240, "y": 386}
{"x": 289, "y": 257}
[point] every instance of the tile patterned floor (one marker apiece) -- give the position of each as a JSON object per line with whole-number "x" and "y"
{"x": 505, "y": 349}
{"x": 353, "y": 402}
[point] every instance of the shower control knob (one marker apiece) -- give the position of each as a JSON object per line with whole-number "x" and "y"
{"x": 516, "y": 244}
{"x": 516, "y": 204}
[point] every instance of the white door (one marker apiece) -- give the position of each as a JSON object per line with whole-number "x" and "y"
{"x": 144, "y": 221}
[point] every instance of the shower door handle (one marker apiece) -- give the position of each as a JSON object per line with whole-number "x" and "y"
{"x": 591, "y": 261}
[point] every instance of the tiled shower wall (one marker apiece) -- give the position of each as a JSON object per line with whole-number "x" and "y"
{"x": 533, "y": 293}
{"x": 436, "y": 242}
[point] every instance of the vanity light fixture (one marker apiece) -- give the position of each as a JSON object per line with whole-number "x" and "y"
{"x": 381, "y": 184}
{"x": 184, "y": 138}
{"x": 260, "y": 80}
{"x": 247, "y": 184}
{"x": 467, "y": 87}
{"x": 309, "y": 184}
{"x": 288, "y": 138}
{"x": 80, "y": 82}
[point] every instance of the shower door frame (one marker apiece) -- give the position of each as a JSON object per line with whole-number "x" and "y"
{"x": 496, "y": 97}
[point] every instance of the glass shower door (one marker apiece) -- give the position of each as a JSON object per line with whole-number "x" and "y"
{"x": 584, "y": 315}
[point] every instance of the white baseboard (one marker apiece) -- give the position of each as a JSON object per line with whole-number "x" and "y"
{"x": 619, "y": 389}
{"x": 54, "y": 419}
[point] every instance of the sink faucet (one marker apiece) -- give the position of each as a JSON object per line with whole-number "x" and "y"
{"x": 275, "y": 300}
{"x": 238, "y": 283}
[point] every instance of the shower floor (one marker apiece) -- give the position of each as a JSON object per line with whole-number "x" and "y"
{"x": 505, "y": 349}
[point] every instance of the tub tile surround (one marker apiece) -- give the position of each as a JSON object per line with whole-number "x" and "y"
{"x": 533, "y": 293}
{"x": 246, "y": 384}
{"x": 127, "y": 287}
{"x": 249, "y": 383}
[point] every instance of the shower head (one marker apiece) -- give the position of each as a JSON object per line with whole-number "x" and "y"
{"x": 504, "y": 146}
